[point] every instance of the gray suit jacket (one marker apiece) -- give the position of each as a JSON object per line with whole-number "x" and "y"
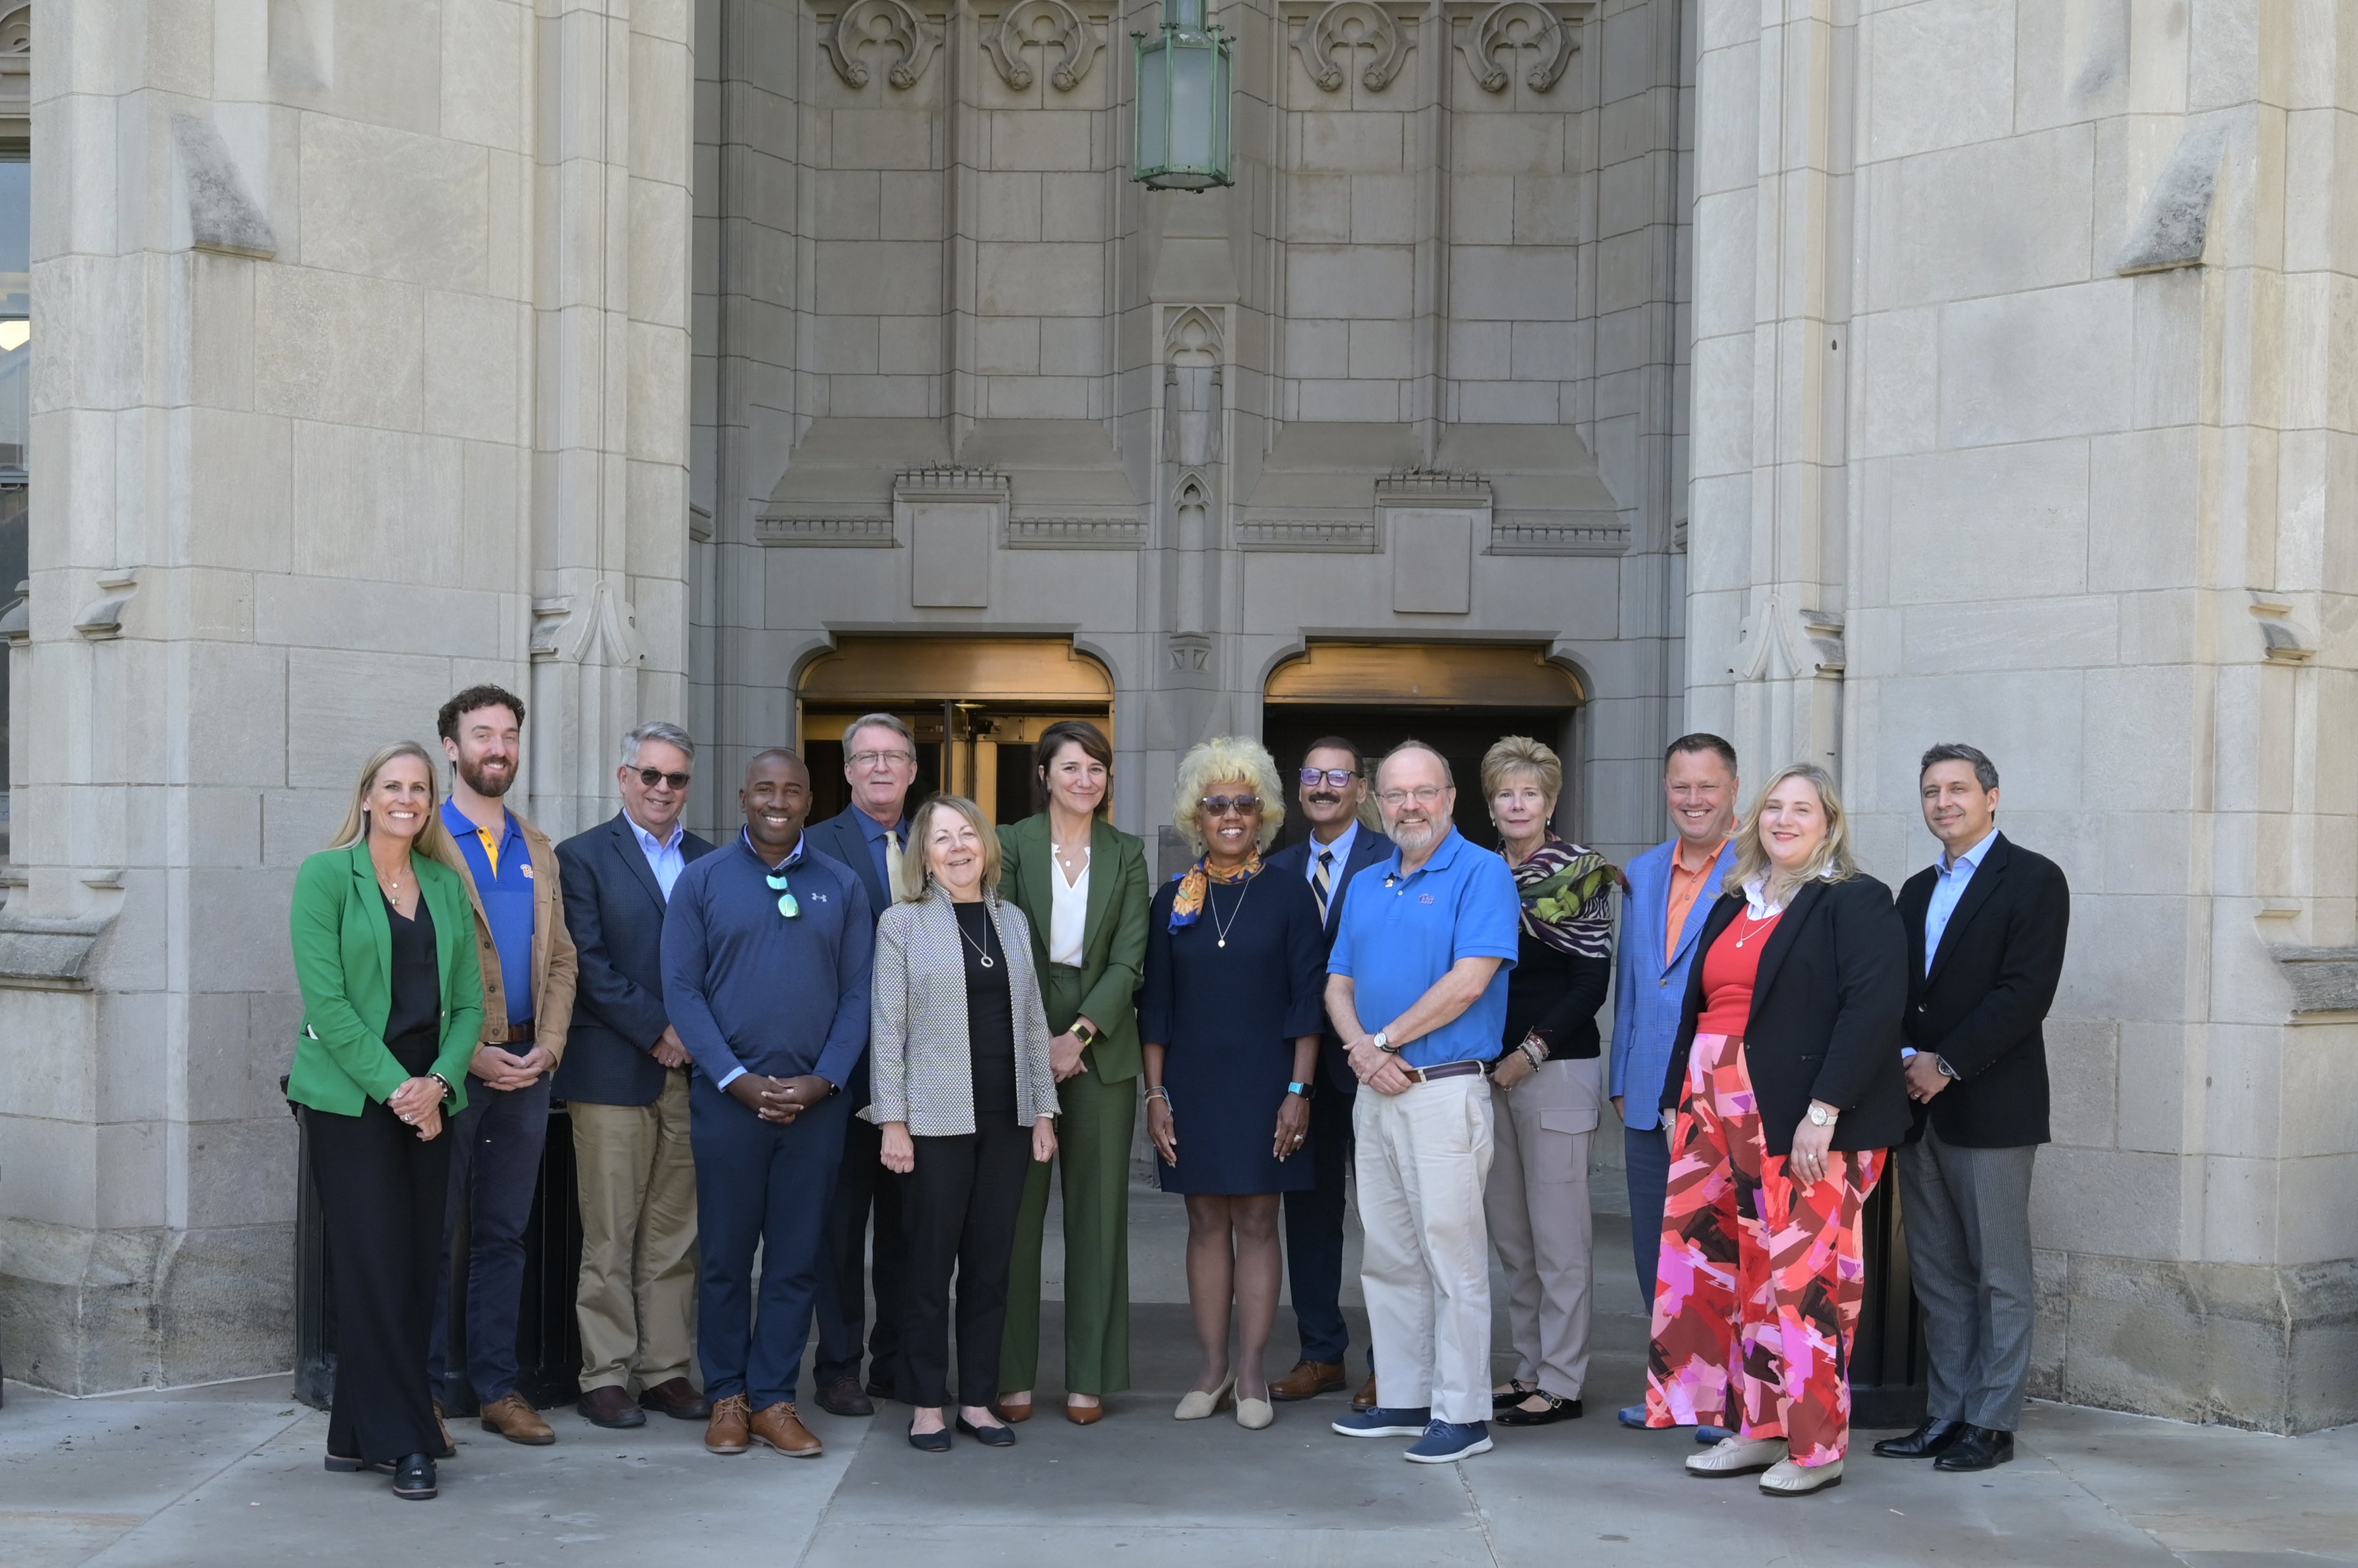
{"x": 922, "y": 1070}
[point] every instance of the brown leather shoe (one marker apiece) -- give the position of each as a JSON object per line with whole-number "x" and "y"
{"x": 450, "y": 1449}
{"x": 1011, "y": 1414}
{"x": 783, "y": 1430}
{"x": 840, "y": 1395}
{"x": 676, "y": 1398}
{"x": 1307, "y": 1381}
{"x": 515, "y": 1419}
{"x": 609, "y": 1406}
{"x": 1084, "y": 1415}
{"x": 1365, "y": 1400}
{"x": 730, "y": 1431}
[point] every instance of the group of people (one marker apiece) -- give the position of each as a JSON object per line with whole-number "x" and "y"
{"x": 822, "y": 1059}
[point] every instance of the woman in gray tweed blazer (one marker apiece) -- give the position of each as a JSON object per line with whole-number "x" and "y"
{"x": 964, "y": 1093}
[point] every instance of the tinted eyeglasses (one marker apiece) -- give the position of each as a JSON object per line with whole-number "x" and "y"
{"x": 1333, "y": 778}
{"x": 1221, "y": 805}
{"x": 654, "y": 776}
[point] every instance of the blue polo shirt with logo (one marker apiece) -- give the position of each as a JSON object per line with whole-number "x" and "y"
{"x": 503, "y": 881}
{"x": 1401, "y": 933}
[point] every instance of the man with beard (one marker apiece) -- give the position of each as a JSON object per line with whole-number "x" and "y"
{"x": 528, "y": 965}
{"x": 1426, "y": 941}
{"x": 766, "y": 954}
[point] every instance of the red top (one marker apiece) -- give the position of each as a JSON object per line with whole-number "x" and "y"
{"x": 1727, "y": 973}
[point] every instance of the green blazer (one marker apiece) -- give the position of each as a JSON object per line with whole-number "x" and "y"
{"x": 1113, "y": 943}
{"x": 343, "y": 962}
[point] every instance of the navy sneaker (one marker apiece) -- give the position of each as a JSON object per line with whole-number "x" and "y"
{"x": 1632, "y": 1416}
{"x": 1712, "y": 1436}
{"x": 1447, "y": 1441}
{"x": 1383, "y": 1422}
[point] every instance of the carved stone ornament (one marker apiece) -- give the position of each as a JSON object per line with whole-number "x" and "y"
{"x": 1326, "y": 46}
{"x": 1052, "y": 23}
{"x": 892, "y": 22}
{"x": 1514, "y": 27}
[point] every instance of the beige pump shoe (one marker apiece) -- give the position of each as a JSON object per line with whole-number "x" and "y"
{"x": 1255, "y": 1414}
{"x": 1198, "y": 1404}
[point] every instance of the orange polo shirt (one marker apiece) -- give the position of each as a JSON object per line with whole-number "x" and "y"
{"x": 1685, "y": 887}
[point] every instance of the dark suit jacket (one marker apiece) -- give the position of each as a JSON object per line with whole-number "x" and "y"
{"x": 1982, "y": 1008}
{"x": 842, "y": 839}
{"x": 1368, "y": 846}
{"x": 1825, "y": 1014}
{"x": 614, "y": 908}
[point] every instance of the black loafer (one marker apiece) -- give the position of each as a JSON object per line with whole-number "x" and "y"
{"x": 1931, "y": 1439}
{"x": 1515, "y": 1394}
{"x": 989, "y": 1436}
{"x": 931, "y": 1441}
{"x": 1558, "y": 1409}
{"x": 339, "y": 1466}
{"x": 413, "y": 1479}
{"x": 1977, "y": 1448}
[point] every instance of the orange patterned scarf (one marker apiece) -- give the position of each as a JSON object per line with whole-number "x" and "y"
{"x": 1196, "y": 886}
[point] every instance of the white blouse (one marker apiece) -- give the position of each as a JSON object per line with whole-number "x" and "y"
{"x": 1068, "y": 913}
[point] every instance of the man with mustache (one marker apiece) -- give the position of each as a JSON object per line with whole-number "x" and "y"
{"x": 1426, "y": 941}
{"x": 529, "y": 965}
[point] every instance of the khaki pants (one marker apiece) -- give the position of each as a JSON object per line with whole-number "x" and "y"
{"x": 1422, "y": 1156}
{"x": 1538, "y": 1205}
{"x": 637, "y": 1178}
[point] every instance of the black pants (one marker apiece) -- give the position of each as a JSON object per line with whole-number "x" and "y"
{"x": 862, "y": 1183}
{"x": 960, "y": 1202}
{"x": 1313, "y": 1231}
{"x": 381, "y": 1197}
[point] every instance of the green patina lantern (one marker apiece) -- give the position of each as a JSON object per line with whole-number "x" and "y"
{"x": 1183, "y": 103}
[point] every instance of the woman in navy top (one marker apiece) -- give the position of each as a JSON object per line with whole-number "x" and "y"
{"x": 1230, "y": 1015}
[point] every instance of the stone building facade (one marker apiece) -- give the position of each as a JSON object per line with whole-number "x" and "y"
{"x": 1839, "y": 375}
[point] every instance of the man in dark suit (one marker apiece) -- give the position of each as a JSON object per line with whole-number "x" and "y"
{"x": 625, "y": 1077}
{"x": 867, "y": 838}
{"x": 1985, "y": 935}
{"x": 1334, "y": 794}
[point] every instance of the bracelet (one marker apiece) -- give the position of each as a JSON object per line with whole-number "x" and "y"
{"x": 1159, "y": 1092}
{"x": 1534, "y": 1054}
{"x": 448, "y": 1092}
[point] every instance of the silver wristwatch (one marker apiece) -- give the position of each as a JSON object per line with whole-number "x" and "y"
{"x": 1821, "y": 1116}
{"x": 1382, "y": 1041}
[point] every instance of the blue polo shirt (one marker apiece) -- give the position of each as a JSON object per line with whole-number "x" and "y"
{"x": 1403, "y": 933}
{"x": 503, "y": 881}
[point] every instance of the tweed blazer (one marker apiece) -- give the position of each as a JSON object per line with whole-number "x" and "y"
{"x": 922, "y": 1070}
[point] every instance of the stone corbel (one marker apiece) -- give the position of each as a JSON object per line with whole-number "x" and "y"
{"x": 17, "y": 620}
{"x": 102, "y": 617}
{"x": 1550, "y": 30}
{"x": 606, "y": 631}
{"x": 2282, "y": 640}
{"x": 894, "y": 24}
{"x": 1327, "y": 47}
{"x": 1021, "y": 24}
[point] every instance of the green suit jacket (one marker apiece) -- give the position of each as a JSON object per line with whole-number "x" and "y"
{"x": 1113, "y": 944}
{"x": 343, "y": 962}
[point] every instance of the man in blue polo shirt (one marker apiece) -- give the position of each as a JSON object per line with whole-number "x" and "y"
{"x": 1427, "y": 937}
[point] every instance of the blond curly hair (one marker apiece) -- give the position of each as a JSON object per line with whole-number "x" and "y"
{"x": 1226, "y": 757}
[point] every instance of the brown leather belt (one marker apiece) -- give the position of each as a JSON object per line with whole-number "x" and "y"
{"x": 1443, "y": 1070}
{"x": 514, "y": 1034}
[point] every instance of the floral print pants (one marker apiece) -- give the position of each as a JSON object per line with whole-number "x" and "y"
{"x": 1760, "y": 1283}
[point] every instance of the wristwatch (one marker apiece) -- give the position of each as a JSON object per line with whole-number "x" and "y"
{"x": 1946, "y": 1070}
{"x": 1302, "y": 1090}
{"x": 1382, "y": 1041}
{"x": 1821, "y": 1116}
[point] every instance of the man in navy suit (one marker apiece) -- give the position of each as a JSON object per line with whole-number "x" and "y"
{"x": 625, "y": 1077}
{"x": 1334, "y": 794}
{"x": 867, "y": 838}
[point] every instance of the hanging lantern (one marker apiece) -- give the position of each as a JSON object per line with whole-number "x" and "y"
{"x": 1183, "y": 103}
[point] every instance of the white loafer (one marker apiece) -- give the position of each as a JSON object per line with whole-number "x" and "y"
{"x": 1197, "y": 1404}
{"x": 1255, "y": 1414}
{"x": 1787, "y": 1480}
{"x": 1738, "y": 1456}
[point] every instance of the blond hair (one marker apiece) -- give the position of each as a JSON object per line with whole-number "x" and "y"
{"x": 434, "y": 838}
{"x": 1832, "y": 862}
{"x": 1515, "y": 754}
{"x": 916, "y": 878}
{"x": 1207, "y": 762}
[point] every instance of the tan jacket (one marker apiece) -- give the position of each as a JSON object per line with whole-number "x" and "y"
{"x": 553, "y": 961}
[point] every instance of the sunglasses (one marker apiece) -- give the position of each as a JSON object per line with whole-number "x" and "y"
{"x": 1333, "y": 778}
{"x": 784, "y": 889}
{"x": 1221, "y": 805}
{"x": 654, "y": 776}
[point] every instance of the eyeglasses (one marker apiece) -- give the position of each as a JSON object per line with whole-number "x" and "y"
{"x": 654, "y": 776}
{"x": 1333, "y": 778}
{"x": 784, "y": 889}
{"x": 1221, "y": 805}
{"x": 1423, "y": 795}
{"x": 869, "y": 759}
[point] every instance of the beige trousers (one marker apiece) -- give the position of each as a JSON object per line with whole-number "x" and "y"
{"x": 1421, "y": 1160}
{"x": 637, "y": 1180}
{"x": 1537, "y": 1205}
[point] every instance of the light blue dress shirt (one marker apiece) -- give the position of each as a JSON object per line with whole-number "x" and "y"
{"x": 1949, "y": 886}
{"x": 665, "y": 860}
{"x": 1340, "y": 849}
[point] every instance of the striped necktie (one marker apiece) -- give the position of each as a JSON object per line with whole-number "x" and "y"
{"x": 1322, "y": 884}
{"x": 891, "y": 864}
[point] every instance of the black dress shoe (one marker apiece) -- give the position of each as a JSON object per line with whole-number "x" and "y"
{"x": 1977, "y": 1448}
{"x": 932, "y": 1441}
{"x": 1557, "y": 1410}
{"x": 339, "y": 1466}
{"x": 840, "y": 1395}
{"x": 413, "y": 1478}
{"x": 989, "y": 1436}
{"x": 1932, "y": 1437}
{"x": 610, "y": 1407}
{"x": 676, "y": 1398}
{"x": 881, "y": 1390}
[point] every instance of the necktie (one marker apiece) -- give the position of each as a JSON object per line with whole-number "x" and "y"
{"x": 892, "y": 865}
{"x": 1323, "y": 884}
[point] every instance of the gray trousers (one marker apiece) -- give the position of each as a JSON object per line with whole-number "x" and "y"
{"x": 1537, "y": 1205}
{"x": 1968, "y": 1216}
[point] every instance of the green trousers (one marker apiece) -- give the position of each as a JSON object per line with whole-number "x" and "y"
{"x": 1093, "y": 1136}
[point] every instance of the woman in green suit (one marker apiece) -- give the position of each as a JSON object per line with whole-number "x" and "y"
{"x": 1081, "y": 884}
{"x": 392, "y": 1009}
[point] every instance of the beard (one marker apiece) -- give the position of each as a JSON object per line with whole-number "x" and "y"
{"x": 1416, "y": 836}
{"x": 489, "y": 785}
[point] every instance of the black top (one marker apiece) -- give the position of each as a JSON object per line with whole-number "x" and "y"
{"x": 989, "y": 1011}
{"x": 1826, "y": 1006}
{"x": 1556, "y": 993}
{"x": 1983, "y": 1009}
{"x": 413, "y": 1029}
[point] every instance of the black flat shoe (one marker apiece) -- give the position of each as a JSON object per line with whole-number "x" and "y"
{"x": 930, "y": 1442}
{"x": 989, "y": 1436}
{"x": 413, "y": 1479}
{"x": 1516, "y": 1394}
{"x": 1931, "y": 1439}
{"x": 1977, "y": 1448}
{"x": 1558, "y": 1409}
{"x": 339, "y": 1466}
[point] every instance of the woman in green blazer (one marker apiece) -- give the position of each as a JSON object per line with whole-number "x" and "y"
{"x": 392, "y": 1009}
{"x": 1081, "y": 884}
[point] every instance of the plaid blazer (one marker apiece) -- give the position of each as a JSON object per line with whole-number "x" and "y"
{"x": 922, "y": 1068}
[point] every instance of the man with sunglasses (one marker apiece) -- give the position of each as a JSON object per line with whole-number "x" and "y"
{"x": 1333, "y": 790}
{"x": 766, "y": 956}
{"x": 625, "y": 1078}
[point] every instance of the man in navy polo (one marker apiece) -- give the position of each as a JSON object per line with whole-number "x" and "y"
{"x": 766, "y": 954}
{"x": 1427, "y": 937}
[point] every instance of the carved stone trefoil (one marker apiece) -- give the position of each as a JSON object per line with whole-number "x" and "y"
{"x": 1325, "y": 43}
{"x": 886, "y": 23}
{"x": 1485, "y": 32}
{"x": 1053, "y": 24}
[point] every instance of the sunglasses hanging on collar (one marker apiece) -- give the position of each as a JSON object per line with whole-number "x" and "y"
{"x": 784, "y": 888}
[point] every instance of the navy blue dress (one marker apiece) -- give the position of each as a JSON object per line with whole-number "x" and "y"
{"x": 1227, "y": 1018}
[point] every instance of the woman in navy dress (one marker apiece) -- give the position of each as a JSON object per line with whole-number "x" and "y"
{"x": 1230, "y": 1013}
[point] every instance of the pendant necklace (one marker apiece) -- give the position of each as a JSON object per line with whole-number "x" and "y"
{"x": 1757, "y": 926}
{"x": 1220, "y": 928}
{"x": 979, "y": 950}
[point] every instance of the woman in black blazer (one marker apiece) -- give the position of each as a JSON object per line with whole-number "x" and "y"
{"x": 1786, "y": 1087}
